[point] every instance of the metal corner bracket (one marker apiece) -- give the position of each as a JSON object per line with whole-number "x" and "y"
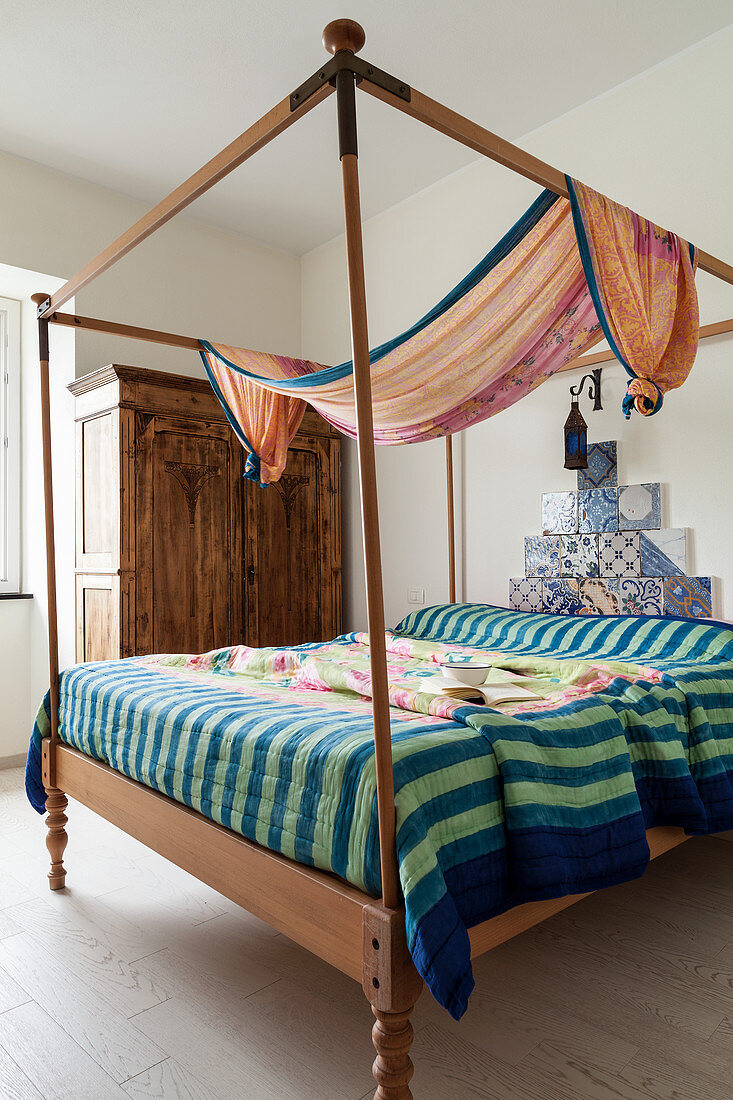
{"x": 344, "y": 60}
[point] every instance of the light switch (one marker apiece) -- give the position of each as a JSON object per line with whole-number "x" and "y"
{"x": 416, "y": 595}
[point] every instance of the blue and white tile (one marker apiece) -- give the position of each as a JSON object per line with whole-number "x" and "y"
{"x": 599, "y": 597}
{"x": 598, "y": 510}
{"x": 561, "y": 596}
{"x": 663, "y": 553}
{"x": 559, "y": 513}
{"x": 542, "y": 556}
{"x": 579, "y": 555}
{"x": 525, "y": 594}
{"x": 641, "y": 596}
{"x": 618, "y": 554}
{"x": 639, "y": 507}
{"x": 688, "y": 596}
{"x": 602, "y": 466}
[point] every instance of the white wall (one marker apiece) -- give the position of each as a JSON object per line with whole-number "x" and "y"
{"x": 187, "y": 278}
{"x": 659, "y": 144}
{"x": 15, "y": 627}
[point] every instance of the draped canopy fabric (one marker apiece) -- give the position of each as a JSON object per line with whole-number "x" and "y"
{"x": 642, "y": 280}
{"x": 264, "y": 416}
{"x": 551, "y": 288}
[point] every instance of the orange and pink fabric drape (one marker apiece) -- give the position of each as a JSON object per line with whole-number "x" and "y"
{"x": 642, "y": 281}
{"x": 568, "y": 273}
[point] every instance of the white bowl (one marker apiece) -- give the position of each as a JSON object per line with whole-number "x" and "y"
{"x": 466, "y": 672}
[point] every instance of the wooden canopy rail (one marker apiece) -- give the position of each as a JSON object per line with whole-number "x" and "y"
{"x": 469, "y": 133}
{"x": 717, "y": 328}
{"x": 191, "y": 343}
{"x": 261, "y": 133}
{"x": 114, "y": 328}
{"x": 362, "y": 937}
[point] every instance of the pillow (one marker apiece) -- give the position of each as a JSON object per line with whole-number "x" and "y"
{"x": 474, "y": 624}
{"x": 608, "y": 637}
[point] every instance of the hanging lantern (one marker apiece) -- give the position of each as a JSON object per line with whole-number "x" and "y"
{"x": 576, "y": 429}
{"x": 576, "y": 439}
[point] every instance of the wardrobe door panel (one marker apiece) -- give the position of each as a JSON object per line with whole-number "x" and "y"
{"x": 97, "y": 472}
{"x": 184, "y": 522}
{"x": 283, "y": 564}
{"x": 293, "y": 549}
{"x": 97, "y": 617}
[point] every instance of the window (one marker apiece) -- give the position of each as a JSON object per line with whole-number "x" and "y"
{"x": 9, "y": 445}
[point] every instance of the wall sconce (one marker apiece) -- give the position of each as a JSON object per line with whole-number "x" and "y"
{"x": 576, "y": 429}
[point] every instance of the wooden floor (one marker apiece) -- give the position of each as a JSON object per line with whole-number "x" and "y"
{"x": 137, "y": 981}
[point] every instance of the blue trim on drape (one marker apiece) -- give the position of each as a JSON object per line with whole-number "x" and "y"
{"x": 590, "y": 276}
{"x": 499, "y": 252}
{"x": 316, "y": 378}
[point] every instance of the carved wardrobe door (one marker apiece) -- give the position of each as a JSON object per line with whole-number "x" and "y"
{"x": 293, "y": 547}
{"x": 188, "y": 536}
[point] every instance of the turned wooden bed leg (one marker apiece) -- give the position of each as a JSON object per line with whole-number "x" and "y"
{"x": 392, "y": 1036}
{"x": 392, "y": 986}
{"x": 56, "y": 838}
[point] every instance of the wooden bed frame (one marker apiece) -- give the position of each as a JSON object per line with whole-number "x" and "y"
{"x": 343, "y": 926}
{"x": 359, "y": 935}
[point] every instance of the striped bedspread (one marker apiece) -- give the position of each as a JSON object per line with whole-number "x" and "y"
{"x": 494, "y": 806}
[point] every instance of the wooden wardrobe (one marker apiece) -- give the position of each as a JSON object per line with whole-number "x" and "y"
{"x": 175, "y": 551}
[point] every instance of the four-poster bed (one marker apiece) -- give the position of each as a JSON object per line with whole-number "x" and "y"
{"x": 364, "y": 937}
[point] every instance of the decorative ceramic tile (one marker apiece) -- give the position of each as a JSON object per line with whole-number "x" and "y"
{"x": 559, "y": 513}
{"x": 561, "y": 596}
{"x": 688, "y": 596}
{"x": 603, "y": 551}
{"x": 597, "y": 510}
{"x": 618, "y": 555}
{"x": 663, "y": 553}
{"x": 525, "y": 594}
{"x": 599, "y": 597}
{"x": 602, "y": 469}
{"x": 641, "y": 596}
{"x": 579, "y": 555}
{"x": 639, "y": 507}
{"x": 542, "y": 556}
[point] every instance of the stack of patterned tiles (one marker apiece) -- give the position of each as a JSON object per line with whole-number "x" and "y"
{"x": 603, "y": 551}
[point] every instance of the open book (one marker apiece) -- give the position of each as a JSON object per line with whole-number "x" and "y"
{"x": 487, "y": 694}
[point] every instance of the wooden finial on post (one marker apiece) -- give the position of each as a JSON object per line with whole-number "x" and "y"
{"x": 343, "y": 34}
{"x": 39, "y": 299}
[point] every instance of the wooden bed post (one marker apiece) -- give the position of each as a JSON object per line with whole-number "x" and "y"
{"x": 451, "y": 519}
{"x": 390, "y": 980}
{"x": 56, "y": 801}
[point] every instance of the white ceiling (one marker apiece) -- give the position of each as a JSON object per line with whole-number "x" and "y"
{"x": 136, "y": 94}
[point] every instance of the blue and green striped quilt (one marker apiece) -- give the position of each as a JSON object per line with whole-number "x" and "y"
{"x": 494, "y": 807}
